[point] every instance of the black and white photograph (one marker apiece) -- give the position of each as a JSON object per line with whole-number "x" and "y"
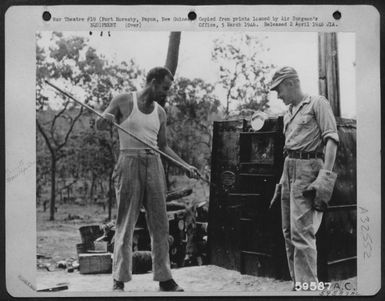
{"x": 193, "y": 161}
{"x": 221, "y": 101}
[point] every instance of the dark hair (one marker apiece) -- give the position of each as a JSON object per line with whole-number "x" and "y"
{"x": 159, "y": 73}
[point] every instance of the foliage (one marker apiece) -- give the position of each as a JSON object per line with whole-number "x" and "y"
{"x": 242, "y": 71}
{"x": 191, "y": 110}
{"x": 85, "y": 154}
{"x": 56, "y": 130}
{"x": 76, "y": 148}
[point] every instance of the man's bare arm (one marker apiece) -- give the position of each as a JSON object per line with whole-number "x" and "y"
{"x": 330, "y": 154}
{"x": 110, "y": 113}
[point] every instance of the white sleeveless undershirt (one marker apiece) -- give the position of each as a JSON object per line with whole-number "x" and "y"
{"x": 144, "y": 126}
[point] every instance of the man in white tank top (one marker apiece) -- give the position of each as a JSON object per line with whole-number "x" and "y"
{"x": 139, "y": 176}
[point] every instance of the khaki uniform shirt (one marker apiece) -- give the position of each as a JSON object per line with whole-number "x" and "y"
{"x": 309, "y": 125}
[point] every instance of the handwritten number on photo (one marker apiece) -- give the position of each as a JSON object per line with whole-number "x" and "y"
{"x": 365, "y": 232}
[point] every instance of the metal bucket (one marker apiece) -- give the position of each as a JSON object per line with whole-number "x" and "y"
{"x": 90, "y": 233}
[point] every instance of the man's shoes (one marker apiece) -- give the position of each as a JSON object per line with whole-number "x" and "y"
{"x": 169, "y": 286}
{"x": 118, "y": 286}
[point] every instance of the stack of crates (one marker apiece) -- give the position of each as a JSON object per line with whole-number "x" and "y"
{"x": 93, "y": 256}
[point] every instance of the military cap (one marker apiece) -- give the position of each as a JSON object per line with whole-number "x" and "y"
{"x": 281, "y": 74}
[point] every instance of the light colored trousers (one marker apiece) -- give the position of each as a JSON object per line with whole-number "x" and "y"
{"x": 300, "y": 222}
{"x": 140, "y": 180}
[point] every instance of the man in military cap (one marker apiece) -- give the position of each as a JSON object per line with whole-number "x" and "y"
{"x": 307, "y": 179}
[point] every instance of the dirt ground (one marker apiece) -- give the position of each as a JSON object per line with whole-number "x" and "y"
{"x": 56, "y": 241}
{"x": 195, "y": 280}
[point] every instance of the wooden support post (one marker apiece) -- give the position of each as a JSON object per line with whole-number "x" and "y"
{"x": 328, "y": 69}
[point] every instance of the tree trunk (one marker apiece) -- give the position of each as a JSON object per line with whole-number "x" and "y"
{"x": 110, "y": 194}
{"x": 101, "y": 186}
{"x": 167, "y": 173}
{"x": 53, "y": 185}
{"x": 173, "y": 51}
{"x": 85, "y": 186}
{"x": 93, "y": 183}
{"x": 171, "y": 64}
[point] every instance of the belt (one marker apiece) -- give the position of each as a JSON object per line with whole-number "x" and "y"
{"x": 303, "y": 155}
{"x": 138, "y": 151}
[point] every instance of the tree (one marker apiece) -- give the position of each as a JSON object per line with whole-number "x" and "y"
{"x": 57, "y": 130}
{"x": 80, "y": 70}
{"x": 242, "y": 71}
{"x": 43, "y": 164}
{"x": 191, "y": 110}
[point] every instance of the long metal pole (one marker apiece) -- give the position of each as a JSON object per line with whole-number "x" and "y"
{"x": 122, "y": 129}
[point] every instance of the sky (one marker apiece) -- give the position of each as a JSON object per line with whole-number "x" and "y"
{"x": 296, "y": 49}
